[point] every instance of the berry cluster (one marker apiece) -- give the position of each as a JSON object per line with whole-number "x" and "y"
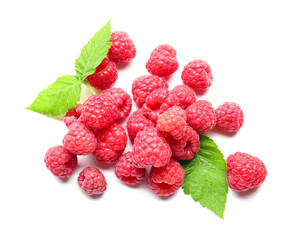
{"x": 92, "y": 129}
{"x": 164, "y": 130}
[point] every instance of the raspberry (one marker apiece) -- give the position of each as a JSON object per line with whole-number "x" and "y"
{"x": 127, "y": 172}
{"x": 187, "y": 147}
{"x": 197, "y": 75}
{"x": 186, "y": 95}
{"x": 137, "y": 122}
{"x": 201, "y": 116}
{"x": 166, "y": 180}
{"x": 111, "y": 142}
{"x": 92, "y": 181}
{"x": 150, "y": 147}
{"x": 60, "y": 161}
{"x": 244, "y": 171}
{"x": 162, "y": 61}
{"x": 122, "y": 101}
{"x": 79, "y": 140}
{"x": 72, "y": 115}
{"x": 122, "y": 49}
{"x": 173, "y": 121}
{"x": 159, "y": 101}
{"x": 78, "y": 108}
{"x": 229, "y": 117}
{"x": 76, "y": 112}
{"x": 69, "y": 120}
{"x": 144, "y": 85}
{"x": 99, "y": 111}
{"x": 105, "y": 75}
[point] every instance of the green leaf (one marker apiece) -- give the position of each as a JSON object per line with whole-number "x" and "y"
{"x": 59, "y": 97}
{"x": 93, "y": 53}
{"x": 205, "y": 177}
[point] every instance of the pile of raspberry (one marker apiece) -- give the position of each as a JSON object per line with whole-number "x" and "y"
{"x": 163, "y": 130}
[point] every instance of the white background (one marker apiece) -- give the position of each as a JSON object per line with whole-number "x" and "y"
{"x": 255, "y": 51}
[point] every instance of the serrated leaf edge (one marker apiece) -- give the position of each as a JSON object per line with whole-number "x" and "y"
{"x": 30, "y": 107}
{"x": 207, "y": 179}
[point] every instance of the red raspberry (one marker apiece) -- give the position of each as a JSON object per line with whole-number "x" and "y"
{"x": 187, "y": 147}
{"x": 92, "y": 181}
{"x": 80, "y": 140}
{"x": 105, "y": 75}
{"x": 162, "y": 61}
{"x": 127, "y": 172}
{"x": 99, "y": 111}
{"x": 159, "y": 101}
{"x": 201, "y": 116}
{"x": 78, "y": 108}
{"x": 166, "y": 180}
{"x": 76, "y": 112}
{"x": 122, "y": 49}
{"x": 122, "y": 100}
{"x": 173, "y": 121}
{"x": 150, "y": 147}
{"x": 111, "y": 142}
{"x": 197, "y": 75}
{"x": 60, "y": 161}
{"x": 229, "y": 117}
{"x": 244, "y": 171}
{"x": 69, "y": 120}
{"x": 72, "y": 115}
{"x": 186, "y": 95}
{"x": 137, "y": 122}
{"x": 144, "y": 85}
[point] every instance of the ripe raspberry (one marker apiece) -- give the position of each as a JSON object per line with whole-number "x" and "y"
{"x": 127, "y": 172}
{"x": 229, "y": 117}
{"x": 111, "y": 142}
{"x": 92, "y": 181}
{"x": 162, "y": 61}
{"x": 185, "y": 148}
{"x": 137, "y": 122}
{"x": 186, "y": 95}
{"x": 173, "y": 121}
{"x": 76, "y": 112}
{"x": 60, "y": 161}
{"x": 159, "y": 101}
{"x": 69, "y": 120}
{"x": 166, "y": 180}
{"x": 122, "y": 49}
{"x": 144, "y": 85}
{"x": 105, "y": 75}
{"x": 122, "y": 101}
{"x": 78, "y": 108}
{"x": 244, "y": 171}
{"x": 197, "y": 75}
{"x": 80, "y": 140}
{"x": 150, "y": 147}
{"x": 99, "y": 111}
{"x": 72, "y": 115}
{"x": 201, "y": 116}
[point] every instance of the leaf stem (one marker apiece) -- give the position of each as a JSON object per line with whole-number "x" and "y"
{"x": 89, "y": 87}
